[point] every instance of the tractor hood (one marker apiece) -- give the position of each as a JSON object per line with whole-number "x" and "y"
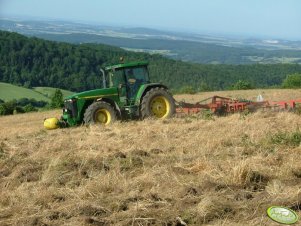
{"x": 94, "y": 94}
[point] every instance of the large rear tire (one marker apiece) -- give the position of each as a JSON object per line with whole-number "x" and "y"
{"x": 100, "y": 113}
{"x": 157, "y": 103}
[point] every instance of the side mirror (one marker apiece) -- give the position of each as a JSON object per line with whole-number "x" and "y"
{"x": 121, "y": 85}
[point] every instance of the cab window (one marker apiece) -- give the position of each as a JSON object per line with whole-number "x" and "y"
{"x": 138, "y": 74}
{"x": 115, "y": 78}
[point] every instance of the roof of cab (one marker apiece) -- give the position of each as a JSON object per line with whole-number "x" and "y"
{"x": 125, "y": 65}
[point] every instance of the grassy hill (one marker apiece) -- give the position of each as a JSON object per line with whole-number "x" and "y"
{"x": 10, "y": 92}
{"x": 49, "y": 91}
{"x": 223, "y": 171}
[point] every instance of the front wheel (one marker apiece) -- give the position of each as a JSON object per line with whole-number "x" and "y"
{"x": 100, "y": 113}
{"x": 157, "y": 103}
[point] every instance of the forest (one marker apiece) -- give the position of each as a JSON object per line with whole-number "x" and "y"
{"x": 31, "y": 62}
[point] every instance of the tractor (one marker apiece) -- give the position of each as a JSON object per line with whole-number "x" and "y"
{"x": 126, "y": 93}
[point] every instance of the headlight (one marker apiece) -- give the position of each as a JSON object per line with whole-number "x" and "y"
{"x": 70, "y": 107}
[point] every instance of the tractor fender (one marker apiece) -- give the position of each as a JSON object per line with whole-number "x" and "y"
{"x": 145, "y": 88}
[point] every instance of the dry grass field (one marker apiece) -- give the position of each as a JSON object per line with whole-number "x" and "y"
{"x": 192, "y": 170}
{"x": 268, "y": 94}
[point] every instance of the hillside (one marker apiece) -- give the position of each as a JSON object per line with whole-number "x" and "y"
{"x": 36, "y": 62}
{"x": 220, "y": 171}
{"x": 10, "y": 92}
{"x": 49, "y": 91}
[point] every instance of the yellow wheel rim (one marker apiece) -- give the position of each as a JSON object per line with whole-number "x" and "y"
{"x": 103, "y": 116}
{"x": 160, "y": 107}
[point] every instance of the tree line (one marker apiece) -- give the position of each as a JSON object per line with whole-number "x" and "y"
{"x": 34, "y": 62}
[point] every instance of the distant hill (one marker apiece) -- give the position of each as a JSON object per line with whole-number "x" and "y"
{"x": 34, "y": 62}
{"x": 183, "y": 46}
{"x": 189, "y": 51}
{"x": 9, "y": 92}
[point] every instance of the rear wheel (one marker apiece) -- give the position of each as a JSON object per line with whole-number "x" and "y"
{"x": 157, "y": 103}
{"x": 100, "y": 113}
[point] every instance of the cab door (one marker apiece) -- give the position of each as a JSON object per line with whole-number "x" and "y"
{"x": 130, "y": 83}
{"x": 135, "y": 77}
{"x": 119, "y": 81}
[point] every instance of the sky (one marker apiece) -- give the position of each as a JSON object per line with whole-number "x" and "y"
{"x": 250, "y": 18}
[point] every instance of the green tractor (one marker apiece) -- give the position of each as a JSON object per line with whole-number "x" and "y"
{"x": 127, "y": 93}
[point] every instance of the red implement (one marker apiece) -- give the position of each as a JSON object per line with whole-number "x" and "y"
{"x": 219, "y": 105}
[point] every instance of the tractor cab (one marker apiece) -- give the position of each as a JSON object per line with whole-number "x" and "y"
{"x": 128, "y": 78}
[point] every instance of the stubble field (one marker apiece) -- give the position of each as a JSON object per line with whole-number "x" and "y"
{"x": 192, "y": 170}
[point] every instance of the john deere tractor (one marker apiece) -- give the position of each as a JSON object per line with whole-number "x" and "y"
{"x": 126, "y": 93}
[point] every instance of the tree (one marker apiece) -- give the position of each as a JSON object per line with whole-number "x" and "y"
{"x": 188, "y": 90}
{"x": 57, "y": 99}
{"x": 3, "y": 110}
{"x": 27, "y": 84}
{"x": 292, "y": 81}
{"x": 204, "y": 87}
{"x": 29, "y": 108}
{"x": 8, "y": 108}
{"x": 18, "y": 109}
{"x": 241, "y": 85}
{"x": 23, "y": 101}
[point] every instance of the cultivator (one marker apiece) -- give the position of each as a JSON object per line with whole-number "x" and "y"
{"x": 224, "y": 105}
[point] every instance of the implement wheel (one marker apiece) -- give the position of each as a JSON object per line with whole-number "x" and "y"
{"x": 157, "y": 103}
{"x": 100, "y": 113}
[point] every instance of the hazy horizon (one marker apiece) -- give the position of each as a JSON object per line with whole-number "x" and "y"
{"x": 249, "y": 19}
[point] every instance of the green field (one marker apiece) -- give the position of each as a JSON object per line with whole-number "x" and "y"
{"x": 49, "y": 91}
{"x": 10, "y": 92}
